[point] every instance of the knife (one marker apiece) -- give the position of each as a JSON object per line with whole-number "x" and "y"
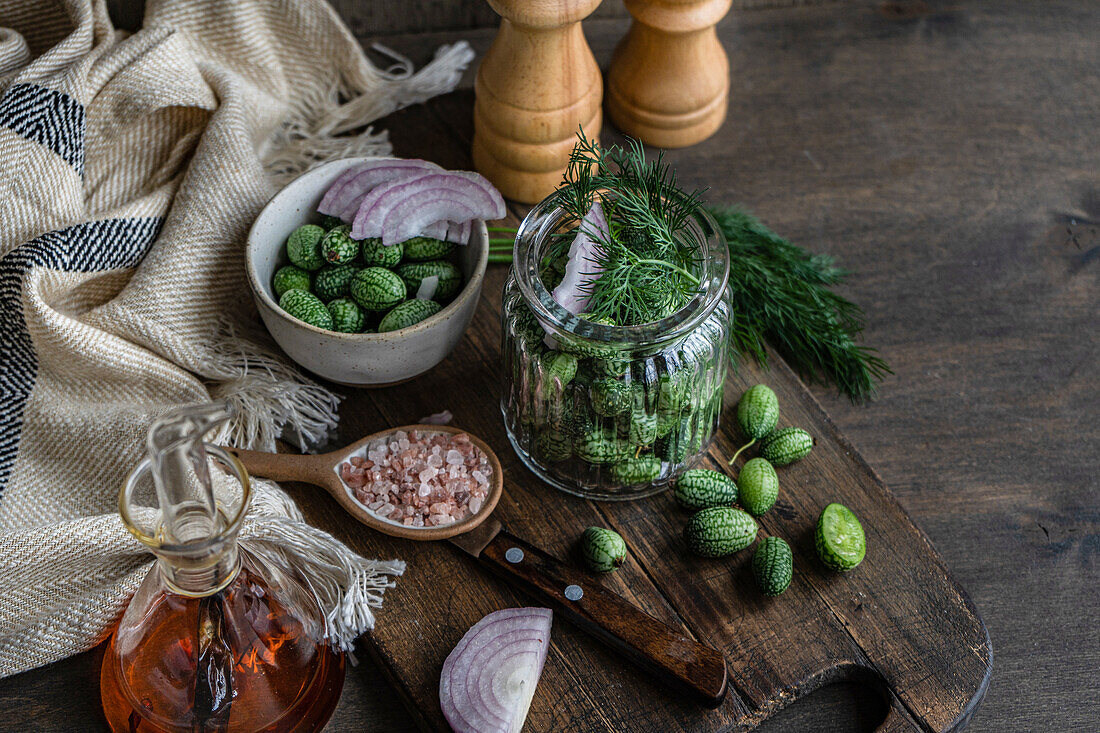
{"x": 658, "y": 649}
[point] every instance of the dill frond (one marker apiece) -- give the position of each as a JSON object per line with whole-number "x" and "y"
{"x": 782, "y": 295}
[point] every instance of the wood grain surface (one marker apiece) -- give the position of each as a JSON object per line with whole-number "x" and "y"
{"x": 949, "y": 154}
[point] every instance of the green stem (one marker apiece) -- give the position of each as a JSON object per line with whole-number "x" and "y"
{"x": 694, "y": 280}
{"x": 746, "y": 445}
{"x": 500, "y": 259}
{"x": 502, "y": 229}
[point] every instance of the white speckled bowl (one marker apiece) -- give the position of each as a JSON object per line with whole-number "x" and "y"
{"x": 356, "y": 359}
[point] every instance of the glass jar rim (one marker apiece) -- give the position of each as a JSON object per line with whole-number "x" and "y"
{"x": 542, "y": 220}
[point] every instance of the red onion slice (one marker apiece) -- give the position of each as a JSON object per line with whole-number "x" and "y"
{"x": 398, "y": 210}
{"x": 343, "y": 195}
{"x": 489, "y": 678}
{"x": 459, "y": 233}
{"x": 427, "y": 288}
{"x": 403, "y": 219}
{"x": 581, "y": 268}
{"x": 448, "y": 231}
{"x": 435, "y": 230}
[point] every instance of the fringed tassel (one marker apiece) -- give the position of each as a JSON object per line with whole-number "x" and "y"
{"x": 345, "y": 585}
{"x": 316, "y": 129}
{"x": 270, "y": 395}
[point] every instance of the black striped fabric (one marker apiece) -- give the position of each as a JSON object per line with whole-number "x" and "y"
{"x": 55, "y": 121}
{"x": 89, "y": 247}
{"x": 49, "y": 118}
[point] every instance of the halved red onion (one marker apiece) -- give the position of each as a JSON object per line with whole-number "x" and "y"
{"x": 398, "y": 210}
{"x": 489, "y": 678}
{"x": 361, "y": 226}
{"x": 581, "y": 268}
{"x": 343, "y": 196}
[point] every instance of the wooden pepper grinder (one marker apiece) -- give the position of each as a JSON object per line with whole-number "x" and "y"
{"x": 669, "y": 79}
{"x": 537, "y": 85}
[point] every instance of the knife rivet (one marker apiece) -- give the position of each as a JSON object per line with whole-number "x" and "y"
{"x": 514, "y": 555}
{"x": 574, "y": 592}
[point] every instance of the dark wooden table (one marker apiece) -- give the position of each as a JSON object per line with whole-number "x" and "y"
{"x": 950, "y": 154}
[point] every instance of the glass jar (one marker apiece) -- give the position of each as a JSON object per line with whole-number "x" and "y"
{"x": 611, "y": 412}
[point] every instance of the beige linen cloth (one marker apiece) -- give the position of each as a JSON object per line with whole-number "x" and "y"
{"x": 131, "y": 167}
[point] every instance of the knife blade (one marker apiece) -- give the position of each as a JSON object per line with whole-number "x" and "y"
{"x": 658, "y": 649}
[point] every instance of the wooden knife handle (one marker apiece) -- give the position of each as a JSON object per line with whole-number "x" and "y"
{"x": 664, "y": 652}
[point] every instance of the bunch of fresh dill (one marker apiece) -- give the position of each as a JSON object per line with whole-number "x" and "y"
{"x": 782, "y": 294}
{"x": 645, "y": 262}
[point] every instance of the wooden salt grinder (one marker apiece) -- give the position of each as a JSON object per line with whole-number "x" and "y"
{"x": 537, "y": 85}
{"x": 669, "y": 79}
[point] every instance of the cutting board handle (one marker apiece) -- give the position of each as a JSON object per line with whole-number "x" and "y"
{"x": 659, "y": 649}
{"x": 897, "y": 721}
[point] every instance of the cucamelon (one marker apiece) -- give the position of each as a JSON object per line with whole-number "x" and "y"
{"x": 422, "y": 249}
{"x": 702, "y": 488}
{"x": 634, "y": 471}
{"x": 757, "y": 486}
{"x": 601, "y": 446}
{"x": 307, "y": 307}
{"x": 450, "y": 277}
{"x": 408, "y": 313}
{"x": 376, "y": 254}
{"x": 610, "y": 397}
{"x": 553, "y": 445}
{"x": 347, "y": 317}
{"x": 839, "y": 537}
{"x": 719, "y": 531}
{"x": 603, "y": 550}
{"x": 333, "y": 281}
{"x": 758, "y": 411}
{"x": 289, "y": 277}
{"x": 773, "y": 566}
{"x": 377, "y": 289}
{"x": 786, "y": 446}
{"x": 337, "y": 246}
{"x": 303, "y": 247}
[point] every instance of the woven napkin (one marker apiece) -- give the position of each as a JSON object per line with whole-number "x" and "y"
{"x": 131, "y": 167}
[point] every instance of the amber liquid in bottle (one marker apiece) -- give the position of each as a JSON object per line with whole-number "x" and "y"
{"x": 216, "y": 639}
{"x": 233, "y": 661}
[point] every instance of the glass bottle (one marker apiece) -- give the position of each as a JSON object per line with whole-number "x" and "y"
{"x": 215, "y": 638}
{"x": 644, "y": 402}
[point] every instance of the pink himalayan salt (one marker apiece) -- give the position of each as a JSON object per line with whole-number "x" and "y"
{"x": 420, "y": 479}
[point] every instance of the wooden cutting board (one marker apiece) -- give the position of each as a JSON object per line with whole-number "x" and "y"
{"x": 898, "y": 621}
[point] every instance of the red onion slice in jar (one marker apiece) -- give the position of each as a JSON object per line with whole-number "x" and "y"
{"x": 581, "y": 269}
{"x": 489, "y": 678}
{"x": 348, "y": 189}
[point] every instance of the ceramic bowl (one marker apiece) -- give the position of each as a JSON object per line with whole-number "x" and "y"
{"x": 356, "y": 359}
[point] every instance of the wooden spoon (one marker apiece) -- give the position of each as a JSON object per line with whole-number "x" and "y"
{"x": 323, "y": 470}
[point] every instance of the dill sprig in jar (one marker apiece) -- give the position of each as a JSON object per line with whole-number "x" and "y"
{"x": 608, "y": 411}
